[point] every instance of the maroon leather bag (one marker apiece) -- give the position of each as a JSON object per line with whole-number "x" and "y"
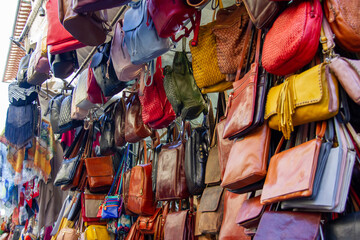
{"x": 94, "y": 92}
{"x": 81, "y": 6}
{"x": 170, "y": 16}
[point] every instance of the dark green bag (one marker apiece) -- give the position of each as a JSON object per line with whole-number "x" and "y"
{"x": 181, "y": 89}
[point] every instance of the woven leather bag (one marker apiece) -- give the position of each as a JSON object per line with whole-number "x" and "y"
{"x": 230, "y": 31}
{"x": 66, "y": 123}
{"x": 344, "y": 20}
{"x": 287, "y": 52}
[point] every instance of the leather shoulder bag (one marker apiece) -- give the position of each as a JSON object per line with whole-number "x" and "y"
{"x": 262, "y": 13}
{"x": 119, "y": 121}
{"x": 65, "y": 121}
{"x": 107, "y": 129}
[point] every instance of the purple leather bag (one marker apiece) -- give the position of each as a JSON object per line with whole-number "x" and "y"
{"x": 80, "y": 6}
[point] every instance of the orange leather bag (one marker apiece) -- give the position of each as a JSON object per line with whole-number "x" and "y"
{"x": 140, "y": 196}
{"x": 291, "y": 173}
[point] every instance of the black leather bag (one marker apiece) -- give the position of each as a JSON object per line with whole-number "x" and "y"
{"x": 54, "y": 110}
{"x": 107, "y": 129}
{"x": 104, "y": 71}
{"x": 65, "y": 121}
{"x": 345, "y": 227}
{"x": 64, "y": 64}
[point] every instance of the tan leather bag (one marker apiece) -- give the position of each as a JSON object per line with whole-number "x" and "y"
{"x": 100, "y": 173}
{"x": 68, "y": 234}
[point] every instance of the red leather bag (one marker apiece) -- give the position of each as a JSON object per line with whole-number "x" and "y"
{"x": 157, "y": 111}
{"x": 293, "y": 40}
{"x": 58, "y": 38}
{"x": 169, "y": 17}
{"x": 95, "y": 95}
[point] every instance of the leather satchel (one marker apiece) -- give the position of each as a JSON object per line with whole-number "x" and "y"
{"x": 90, "y": 205}
{"x": 250, "y": 213}
{"x": 135, "y": 129}
{"x": 119, "y": 54}
{"x": 285, "y": 225}
{"x": 211, "y": 208}
{"x": 87, "y": 28}
{"x": 248, "y": 159}
{"x": 179, "y": 225}
{"x": 141, "y": 38}
{"x": 291, "y": 173}
{"x": 100, "y": 173}
{"x": 171, "y": 180}
{"x": 262, "y": 13}
{"x": 344, "y": 22}
{"x": 83, "y": 6}
{"x": 302, "y": 17}
{"x": 119, "y": 121}
{"x": 316, "y": 91}
{"x": 229, "y": 229}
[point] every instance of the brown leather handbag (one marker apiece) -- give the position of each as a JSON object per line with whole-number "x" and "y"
{"x": 211, "y": 208}
{"x": 250, "y": 213}
{"x": 100, "y": 173}
{"x": 230, "y": 31}
{"x": 262, "y": 12}
{"x": 141, "y": 198}
{"x": 248, "y": 159}
{"x": 288, "y": 225}
{"x": 154, "y": 225}
{"x": 291, "y": 173}
{"x": 125, "y": 193}
{"x": 229, "y": 229}
{"x": 170, "y": 180}
{"x": 119, "y": 120}
{"x": 135, "y": 129}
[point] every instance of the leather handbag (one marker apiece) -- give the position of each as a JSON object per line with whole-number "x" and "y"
{"x": 107, "y": 129}
{"x": 230, "y": 32}
{"x": 59, "y": 40}
{"x": 141, "y": 198}
{"x": 104, "y": 71}
{"x": 302, "y": 17}
{"x": 289, "y": 178}
{"x": 81, "y": 98}
{"x": 343, "y": 19}
{"x": 211, "y": 208}
{"x": 119, "y": 121}
{"x": 316, "y": 91}
{"x": 19, "y": 96}
{"x": 248, "y": 159}
{"x": 181, "y": 90}
{"x": 65, "y": 121}
{"x": 141, "y": 38}
{"x": 180, "y": 225}
{"x": 242, "y": 101}
{"x": 62, "y": 65}
{"x": 100, "y": 173}
{"x": 344, "y": 227}
{"x": 250, "y": 213}
{"x": 83, "y": 6}
{"x": 170, "y": 16}
{"x": 54, "y": 110}
{"x": 67, "y": 233}
{"x": 262, "y": 13}
{"x": 94, "y": 232}
{"x": 170, "y": 179}
{"x": 156, "y": 109}
{"x": 119, "y": 54}
{"x": 229, "y": 229}
{"x": 39, "y": 68}
{"x": 285, "y": 225}
{"x": 224, "y": 147}
{"x": 212, "y": 170}
{"x": 87, "y": 28}
{"x": 76, "y": 112}
{"x": 135, "y": 129}
{"x": 89, "y": 206}
{"x": 67, "y": 171}
{"x": 93, "y": 90}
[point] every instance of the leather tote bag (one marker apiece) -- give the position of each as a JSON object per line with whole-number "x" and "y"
{"x": 344, "y": 22}
{"x": 83, "y": 6}
{"x": 87, "y": 28}
{"x": 141, "y": 38}
{"x": 104, "y": 71}
{"x": 180, "y": 225}
{"x": 59, "y": 40}
{"x": 302, "y": 17}
{"x": 119, "y": 54}
{"x": 171, "y": 179}
{"x": 316, "y": 91}
{"x": 248, "y": 159}
{"x": 283, "y": 180}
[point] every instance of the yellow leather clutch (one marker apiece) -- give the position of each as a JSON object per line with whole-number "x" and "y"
{"x": 96, "y": 232}
{"x": 306, "y": 97}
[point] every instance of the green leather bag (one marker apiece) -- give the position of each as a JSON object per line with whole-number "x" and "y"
{"x": 181, "y": 89}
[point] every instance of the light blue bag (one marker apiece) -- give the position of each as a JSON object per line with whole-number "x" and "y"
{"x": 141, "y": 38}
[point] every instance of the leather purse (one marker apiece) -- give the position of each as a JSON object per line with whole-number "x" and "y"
{"x": 87, "y": 28}
{"x": 141, "y": 198}
{"x": 154, "y": 225}
{"x": 138, "y": 26}
{"x": 76, "y": 112}
{"x": 212, "y": 170}
{"x": 285, "y": 225}
{"x": 119, "y": 54}
{"x": 229, "y": 229}
{"x": 66, "y": 123}
{"x": 230, "y": 34}
{"x": 67, "y": 233}
{"x": 89, "y": 206}
{"x": 81, "y": 97}
{"x": 59, "y": 40}
{"x": 170, "y": 16}
{"x": 211, "y": 210}
{"x": 93, "y": 90}
{"x": 181, "y": 90}
{"x": 62, "y": 65}
{"x": 250, "y": 213}
{"x": 83, "y": 6}
{"x": 100, "y": 173}
{"x": 157, "y": 111}
{"x": 119, "y": 121}
{"x": 344, "y": 227}
{"x": 94, "y": 232}
{"x": 171, "y": 180}
{"x": 19, "y": 96}
{"x": 302, "y": 17}
{"x": 39, "y": 68}
{"x": 262, "y": 13}
{"x": 21, "y": 75}
{"x": 104, "y": 71}
{"x": 248, "y": 159}
{"x": 316, "y": 91}
{"x": 107, "y": 129}
{"x": 344, "y": 23}
{"x": 293, "y": 177}
{"x": 135, "y": 129}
